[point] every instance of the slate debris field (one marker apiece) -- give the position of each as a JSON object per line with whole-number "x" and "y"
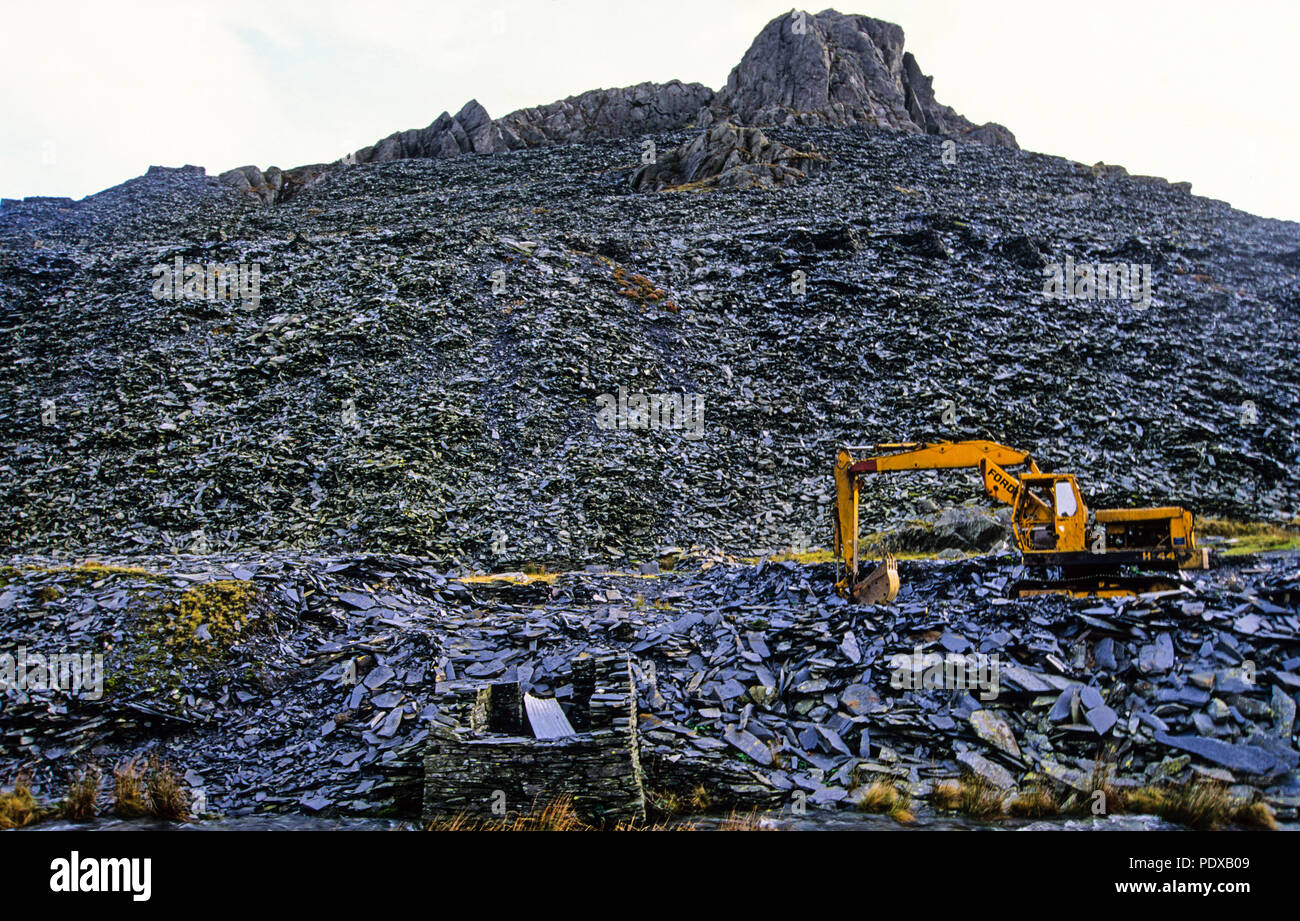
{"x": 755, "y": 681}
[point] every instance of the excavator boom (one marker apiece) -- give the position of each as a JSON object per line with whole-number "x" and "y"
{"x": 939, "y": 455}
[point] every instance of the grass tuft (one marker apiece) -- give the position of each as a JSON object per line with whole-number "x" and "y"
{"x": 1202, "y": 804}
{"x": 129, "y": 793}
{"x": 946, "y": 794}
{"x": 559, "y": 815}
{"x": 18, "y": 808}
{"x": 1034, "y": 802}
{"x": 1254, "y": 815}
{"x": 151, "y": 787}
{"x": 674, "y": 802}
{"x": 979, "y": 799}
{"x": 168, "y": 798}
{"x": 83, "y": 794}
{"x": 1251, "y": 536}
{"x": 884, "y": 798}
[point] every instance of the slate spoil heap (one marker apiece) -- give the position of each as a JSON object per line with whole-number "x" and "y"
{"x": 754, "y": 682}
{"x": 421, "y": 371}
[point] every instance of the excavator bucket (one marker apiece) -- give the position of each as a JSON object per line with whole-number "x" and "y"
{"x": 880, "y": 586}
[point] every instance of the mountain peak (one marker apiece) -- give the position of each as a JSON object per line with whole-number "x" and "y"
{"x": 803, "y": 69}
{"x": 838, "y": 69}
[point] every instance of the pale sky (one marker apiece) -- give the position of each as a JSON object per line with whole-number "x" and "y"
{"x": 92, "y": 93}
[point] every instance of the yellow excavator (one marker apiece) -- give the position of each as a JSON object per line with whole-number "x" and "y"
{"x": 1126, "y": 551}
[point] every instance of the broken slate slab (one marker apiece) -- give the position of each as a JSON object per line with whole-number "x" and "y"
{"x": 1283, "y": 709}
{"x": 1102, "y": 719}
{"x": 861, "y": 699}
{"x": 748, "y": 744}
{"x": 1249, "y": 759}
{"x": 315, "y": 802}
{"x": 1090, "y": 697}
{"x": 357, "y": 600}
{"x": 995, "y": 774}
{"x": 994, "y": 729}
{"x": 1104, "y": 653}
{"x": 1158, "y": 657}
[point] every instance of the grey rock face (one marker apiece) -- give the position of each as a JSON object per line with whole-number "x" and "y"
{"x": 646, "y": 107}
{"x": 273, "y": 185}
{"x": 253, "y": 182}
{"x": 836, "y": 69}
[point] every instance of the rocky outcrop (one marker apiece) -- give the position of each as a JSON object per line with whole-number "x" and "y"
{"x": 827, "y": 69}
{"x": 471, "y": 130}
{"x": 633, "y": 110}
{"x": 836, "y": 69}
{"x": 726, "y": 156}
{"x": 264, "y": 186}
{"x": 273, "y": 185}
{"x": 963, "y": 528}
{"x": 646, "y": 107}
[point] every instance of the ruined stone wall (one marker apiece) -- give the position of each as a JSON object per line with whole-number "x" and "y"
{"x": 599, "y": 770}
{"x": 469, "y": 769}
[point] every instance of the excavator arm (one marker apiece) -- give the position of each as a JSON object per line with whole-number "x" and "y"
{"x": 999, "y": 484}
{"x": 988, "y": 457}
{"x": 939, "y": 455}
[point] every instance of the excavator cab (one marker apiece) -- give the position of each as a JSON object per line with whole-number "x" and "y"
{"x": 1049, "y": 516}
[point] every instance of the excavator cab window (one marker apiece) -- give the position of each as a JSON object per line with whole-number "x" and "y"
{"x": 1066, "y": 504}
{"x": 1035, "y": 513}
{"x": 1042, "y": 492}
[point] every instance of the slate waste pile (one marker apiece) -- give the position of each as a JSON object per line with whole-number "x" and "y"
{"x": 755, "y": 682}
{"x": 421, "y": 371}
{"x": 279, "y": 478}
